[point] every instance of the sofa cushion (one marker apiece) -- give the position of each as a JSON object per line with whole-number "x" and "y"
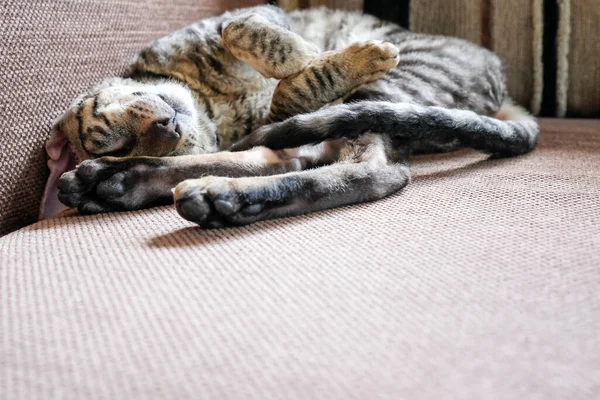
{"x": 480, "y": 277}
{"x": 50, "y": 51}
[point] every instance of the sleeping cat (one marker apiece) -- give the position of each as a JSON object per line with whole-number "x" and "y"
{"x": 339, "y": 99}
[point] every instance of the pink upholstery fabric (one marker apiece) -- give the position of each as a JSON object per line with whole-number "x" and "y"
{"x": 480, "y": 280}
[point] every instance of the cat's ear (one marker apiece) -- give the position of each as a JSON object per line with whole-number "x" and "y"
{"x": 60, "y": 160}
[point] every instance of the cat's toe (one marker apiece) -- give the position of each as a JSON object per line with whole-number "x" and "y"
{"x": 71, "y": 189}
{"x": 385, "y": 50}
{"x": 374, "y": 56}
{"x": 70, "y": 199}
{"x": 113, "y": 187}
{"x": 214, "y": 202}
{"x": 92, "y": 170}
{"x": 193, "y": 204}
{"x": 390, "y": 56}
{"x": 69, "y": 182}
{"x": 99, "y": 169}
{"x": 91, "y": 205}
{"x": 252, "y": 209}
{"x": 193, "y": 207}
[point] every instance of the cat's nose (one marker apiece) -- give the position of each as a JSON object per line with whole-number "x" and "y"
{"x": 165, "y": 128}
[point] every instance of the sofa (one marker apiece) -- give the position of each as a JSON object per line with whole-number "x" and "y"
{"x": 479, "y": 280}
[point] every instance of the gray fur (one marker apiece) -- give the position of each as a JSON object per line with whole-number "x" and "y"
{"x": 243, "y": 71}
{"x": 411, "y": 125}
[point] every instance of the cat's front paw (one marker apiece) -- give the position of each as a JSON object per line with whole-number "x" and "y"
{"x": 112, "y": 184}
{"x": 372, "y": 59}
{"x": 215, "y": 202}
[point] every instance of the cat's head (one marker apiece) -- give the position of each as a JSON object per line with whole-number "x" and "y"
{"x": 122, "y": 117}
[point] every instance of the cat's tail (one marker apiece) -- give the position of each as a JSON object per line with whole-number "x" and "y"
{"x": 512, "y": 132}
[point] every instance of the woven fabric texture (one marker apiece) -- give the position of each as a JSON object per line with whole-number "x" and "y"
{"x": 524, "y": 34}
{"x": 52, "y": 50}
{"x": 582, "y": 77}
{"x": 479, "y": 279}
{"x": 511, "y": 28}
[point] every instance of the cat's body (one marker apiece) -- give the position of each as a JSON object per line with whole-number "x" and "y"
{"x": 257, "y": 66}
{"x": 432, "y": 71}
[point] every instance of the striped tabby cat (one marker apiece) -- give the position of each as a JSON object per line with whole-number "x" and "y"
{"x": 338, "y": 99}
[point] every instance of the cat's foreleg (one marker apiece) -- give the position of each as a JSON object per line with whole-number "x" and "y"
{"x": 369, "y": 175}
{"x": 117, "y": 184}
{"x": 309, "y": 80}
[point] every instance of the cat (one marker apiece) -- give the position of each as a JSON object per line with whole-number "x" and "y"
{"x": 320, "y": 108}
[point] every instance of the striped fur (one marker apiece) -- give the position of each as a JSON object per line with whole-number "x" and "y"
{"x": 221, "y": 79}
{"x": 411, "y": 125}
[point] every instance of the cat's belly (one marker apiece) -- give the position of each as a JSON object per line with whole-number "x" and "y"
{"x": 238, "y": 116}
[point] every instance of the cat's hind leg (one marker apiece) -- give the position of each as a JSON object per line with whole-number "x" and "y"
{"x": 271, "y": 49}
{"x": 309, "y": 80}
{"x": 331, "y": 76}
